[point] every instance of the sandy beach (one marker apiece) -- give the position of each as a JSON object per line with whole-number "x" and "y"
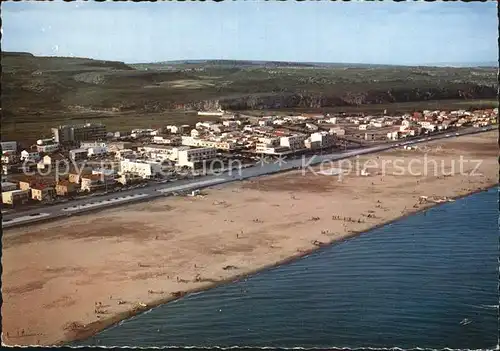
{"x": 68, "y": 279}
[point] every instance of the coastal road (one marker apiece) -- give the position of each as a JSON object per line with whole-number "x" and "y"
{"x": 265, "y": 167}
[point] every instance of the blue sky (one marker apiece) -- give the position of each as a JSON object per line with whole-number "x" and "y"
{"x": 324, "y": 31}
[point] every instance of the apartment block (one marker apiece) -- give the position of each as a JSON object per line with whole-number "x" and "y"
{"x": 81, "y": 132}
{"x": 192, "y": 157}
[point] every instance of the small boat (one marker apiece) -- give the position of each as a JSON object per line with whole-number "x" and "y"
{"x": 465, "y": 321}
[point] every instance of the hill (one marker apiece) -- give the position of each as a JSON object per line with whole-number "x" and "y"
{"x": 50, "y": 90}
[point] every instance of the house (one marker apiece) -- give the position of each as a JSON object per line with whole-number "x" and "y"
{"x": 394, "y": 135}
{"x": 369, "y": 136}
{"x": 97, "y": 151}
{"x": 195, "y": 142}
{"x": 42, "y": 192}
{"x": 93, "y": 182}
{"x": 52, "y": 160}
{"x": 195, "y": 133}
{"x": 168, "y": 140}
{"x": 203, "y": 125}
{"x": 279, "y": 122}
{"x": 106, "y": 173}
{"x": 175, "y": 129}
{"x": 231, "y": 123}
{"x": 75, "y": 177}
{"x": 47, "y": 148}
{"x": 363, "y": 127}
{"x": 15, "y": 197}
{"x": 28, "y": 182}
{"x": 9, "y": 157}
{"x": 119, "y": 145}
{"x": 30, "y": 156}
{"x": 8, "y": 186}
{"x": 337, "y": 131}
{"x": 123, "y": 154}
{"x": 8, "y": 146}
{"x": 262, "y": 148}
{"x": 65, "y": 188}
{"x": 78, "y": 154}
{"x": 312, "y": 126}
{"x": 128, "y": 178}
{"x": 216, "y": 128}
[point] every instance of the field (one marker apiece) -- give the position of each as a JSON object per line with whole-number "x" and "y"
{"x": 40, "y": 92}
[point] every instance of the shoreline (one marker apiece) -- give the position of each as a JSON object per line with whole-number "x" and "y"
{"x": 94, "y": 328}
{"x": 175, "y": 247}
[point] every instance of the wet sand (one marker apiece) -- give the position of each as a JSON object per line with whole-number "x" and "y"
{"x": 68, "y": 279}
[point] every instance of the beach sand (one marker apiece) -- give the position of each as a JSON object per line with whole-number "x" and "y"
{"x": 131, "y": 258}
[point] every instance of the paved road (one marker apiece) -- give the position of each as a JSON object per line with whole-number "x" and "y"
{"x": 141, "y": 194}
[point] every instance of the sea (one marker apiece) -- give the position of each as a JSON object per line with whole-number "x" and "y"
{"x": 430, "y": 280}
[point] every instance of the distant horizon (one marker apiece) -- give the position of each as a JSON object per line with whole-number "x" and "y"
{"x": 435, "y": 64}
{"x": 373, "y": 33}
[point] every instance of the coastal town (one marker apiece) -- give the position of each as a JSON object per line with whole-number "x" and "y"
{"x": 87, "y": 159}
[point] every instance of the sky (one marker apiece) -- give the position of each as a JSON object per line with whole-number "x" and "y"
{"x": 387, "y": 32}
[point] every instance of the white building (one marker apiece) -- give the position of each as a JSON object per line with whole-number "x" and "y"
{"x": 272, "y": 141}
{"x": 47, "y": 148}
{"x": 324, "y": 139}
{"x": 268, "y": 149}
{"x": 194, "y": 133}
{"x": 137, "y": 133}
{"x": 369, "y": 136}
{"x": 8, "y": 146}
{"x": 195, "y": 142}
{"x": 293, "y": 142}
{"x": 337, "y": 131}
{"x": 123, "y": 154}
{"x": 90, "y": 144}
{"x": 312, "y": 126}
{"x": 332, "y": 120}
{"x": 78, "y": 154}
{"x": 279, "y": 122}
{"x": 217, "y": 128}
{"x": 204, "y": 125}
{"x": 231, "y": 123}
{"x": 211, "y": 113}
{"x": 45, "y": 141}
{"x": 109, "y": 173}
{"x": 363, "y": 127}
{"x": 191, "y": 157}
{"x": 176, "y": 129}
{"x": 160, "y": 139}
{"x": 143, "y": 169}
{"x": 97, "y": 151}
{"x": 30, "y": 155}
{"x": 9, "y": 157}
{"x": 156, "y": 149}
{"x": 393, "y": 135}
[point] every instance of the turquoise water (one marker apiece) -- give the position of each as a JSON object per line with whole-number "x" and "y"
{"x": 408, "y": 284}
